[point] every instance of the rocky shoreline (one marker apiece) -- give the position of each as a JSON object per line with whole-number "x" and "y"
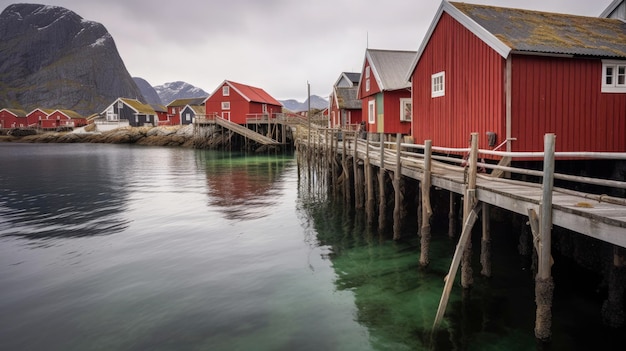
{"x": 182, "y": 136}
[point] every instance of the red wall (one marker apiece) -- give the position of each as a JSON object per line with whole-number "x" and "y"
{"x": 563, "y": 96}
{"x": 474, "y": 98}
{"x": 239, "y": 106}
{"x": 8, "y": 120}
{"x": 33, "y": 117}
{"x": 392, "y": 122}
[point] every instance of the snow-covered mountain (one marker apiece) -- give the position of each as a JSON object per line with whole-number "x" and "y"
{"x": 169, "y": 92}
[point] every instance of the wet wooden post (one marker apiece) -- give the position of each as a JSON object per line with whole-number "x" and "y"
{"x": 544, "y": 285}
{"x": 370, "y": 201}
{"x": 468, "y": 203}
{"x": 613, "y": 306}
{"x": 382, "y": 204}
{"x": 485, "y": 243}
{"x": 426, "y": 206}
{"x": 452, "y": 217}
{"x": 358, "y": 184}
{"x": 344, "y": 166}
{"x": 335, "y": 156}
{"x": 397, "y": 177}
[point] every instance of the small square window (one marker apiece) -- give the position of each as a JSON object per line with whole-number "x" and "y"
{"x": 226, "y": 105}
{"x": 438, "y": 83}
{"x": 225, "y": 90}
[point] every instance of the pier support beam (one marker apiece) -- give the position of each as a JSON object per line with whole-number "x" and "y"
{"x": 382, "y": 201}
{"x": 370, "y": 201}
{"x": 613, "y": 306}
{"x": 358, "y": 178}
{"x": 467, "y": 279}
{"x": 452, "y": 217}
{"x": 485, "y": 243}
{"x": 397, "y": 180}
{"x": 426, "y": 206}
{"x": 544, "y": 285}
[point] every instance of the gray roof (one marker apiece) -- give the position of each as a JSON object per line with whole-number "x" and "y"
{"x": 347, "y": 98}
{"x": 390, "y": 67}
{"x": 550, "y": 33}
{"x": 354, "y": 77}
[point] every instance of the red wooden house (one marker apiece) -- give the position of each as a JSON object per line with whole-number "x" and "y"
{"x": 63, "y": 118}
{"x": 345, "y": 106}
{"x": 384, "y": 91}
{"x": 12, "y": 118}
{"x": 176, "y": 107}
{"x": 39, "y": 118}
{"x": 236, "y": 102}
{"x": 520, "y": 74}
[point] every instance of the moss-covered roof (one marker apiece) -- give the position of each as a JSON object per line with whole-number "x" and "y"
{"x": 16, "y": 112}
{"x": 552, "y": 33}
{"x": 139, "y": 106}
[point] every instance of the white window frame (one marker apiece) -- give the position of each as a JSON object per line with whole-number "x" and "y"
{"x": 367, "y": 84}
{"x": 438, "y": 84}
{"x": 187, "y": 116}
{"x": 371, "y": 111}
{"x": 367, "y": 72}
{"x": 403, "y": 103}
{"x": 617, "y": 83}
{"x": 225, "y": 105}
{"x": 225, "y": 90}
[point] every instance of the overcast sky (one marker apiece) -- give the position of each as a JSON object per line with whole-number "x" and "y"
{"x": 277, "y": 45}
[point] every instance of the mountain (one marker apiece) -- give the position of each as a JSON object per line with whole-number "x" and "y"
{"x": 148, "y": 92}
{"x": 50, "y": 57}
{"x": 169, "y": 92}
{"x": 317, "y": 102}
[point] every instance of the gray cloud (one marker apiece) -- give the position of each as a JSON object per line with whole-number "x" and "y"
{"x": 278, "y": 45}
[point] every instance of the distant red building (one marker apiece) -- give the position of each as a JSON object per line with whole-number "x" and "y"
{"x": 182, "y": 111}
{"x": 520, "y": 74}
{"x": 345, "y": 106}
{"x": 12, "y": 118}
{"x": 384, "y": 91}
{"x": 39, "y": 118}
{"x": 64, "y": 118}
{"x": 236, "y": 102}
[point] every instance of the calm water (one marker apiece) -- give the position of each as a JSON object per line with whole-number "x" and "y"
{"x": 109, "y": 247}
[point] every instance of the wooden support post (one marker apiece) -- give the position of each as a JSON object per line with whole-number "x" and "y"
{"x": 452, "y": 217}
{"x": 613, "y": 306}
{"x": 427, "y": 210}
{"x": 397, "y": 176}
{"x": 464, "y": 239}
{"x": 346, "y": 175}
{"x": 468, "y": 203}
{"x": 485, "y": 243}
{"x": 382, "y": 204}
{"x": 544, "y": 285}
{"x": 370, "y": 201}
{"x": 334, "y": 162}
{"x": 358, "y": 181}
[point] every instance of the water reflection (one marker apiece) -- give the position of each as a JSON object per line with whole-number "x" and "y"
{"x": 243, "y": 186}
{"x": 41, "y": 199}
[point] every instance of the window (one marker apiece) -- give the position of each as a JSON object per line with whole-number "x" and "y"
{"x": 264, "y": 107}
{"x": 613, "y": 76}
{"x": 367, "y": 84}
{"x": 438, "y": 84}
{"x": 225, "y": 90}
{"x": 187, "y": 116}
{"x": 367, "y": 72}
{"x": 226, "y": 105}
{"x": 405, "y": 110}
{"x": 371, "y": 112}
{"x": 174, "y": 110}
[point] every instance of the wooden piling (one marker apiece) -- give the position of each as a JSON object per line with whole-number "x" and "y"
{"x": 397, "y": 178}
{"x": 468, "y": 203}
{"x": 613, "y": 306}
{"x": 382, "y": 200}
{"x": 452, "y": 217}
{"x": 485, "y": 243}
{"x": 358, "y": 179}
{"x": 370, "y": 201}
{"x": 544, "y": 285}
{"x": 426, "y": 206}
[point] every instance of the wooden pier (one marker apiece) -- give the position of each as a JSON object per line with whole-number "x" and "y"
{"x": 597, "y": 216}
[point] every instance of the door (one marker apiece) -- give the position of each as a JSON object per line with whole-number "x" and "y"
{"x": 226, "y": 115}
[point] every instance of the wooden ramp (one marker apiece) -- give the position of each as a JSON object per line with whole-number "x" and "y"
{"x": 245, "y": 132}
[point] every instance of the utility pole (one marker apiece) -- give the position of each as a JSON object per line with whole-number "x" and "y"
{"x": 308, "y": 114}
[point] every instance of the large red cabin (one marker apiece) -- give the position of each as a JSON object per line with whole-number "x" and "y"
{"x": 520, "y": 74}
{"x": 237, "y": 102}
{"x": 12, "y": 118}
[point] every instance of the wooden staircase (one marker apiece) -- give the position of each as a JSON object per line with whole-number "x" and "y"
{"x": 243, "y": 131}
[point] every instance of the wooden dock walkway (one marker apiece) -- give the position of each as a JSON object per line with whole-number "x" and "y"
{"x": 601, "y": 217}
{"x": 239, "y": 129}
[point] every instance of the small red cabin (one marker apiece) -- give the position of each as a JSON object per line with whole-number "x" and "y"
{"x": 345, "y": 106}
{"x": 384, "y": 91}
{"x": 237, "y": 102}
{"x": 64, "y": 118}
{"x": 176, "y": 107}
{"x": 12, "y": 118}
{"x": 518, "y": 74}
{"x": 39, "y": 118}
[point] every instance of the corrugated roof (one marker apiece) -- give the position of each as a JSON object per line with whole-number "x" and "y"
{"x": 354, "y": 77}
{"x": 390, "y": 67}
{"x": 254, "y": 94}
{"x": 139, "y": 106}
{"x": 551, "y": 33}
{"x": 347, "y": 98}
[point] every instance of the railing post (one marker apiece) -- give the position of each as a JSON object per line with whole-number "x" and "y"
{"x": 544, "y": 285}
{"x": 426, "y": 206}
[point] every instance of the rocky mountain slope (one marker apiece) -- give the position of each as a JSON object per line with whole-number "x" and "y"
{"x": 169, "y": 92}
{"x": 293, "y": 105}
{"x": 51, "y": 57}
{"x": 148, "y": 92}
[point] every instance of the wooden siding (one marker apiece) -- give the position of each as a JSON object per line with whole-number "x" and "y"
{"x": 563, "y": 96}
{"x": 474, "y": 99}
{"x": 239, "y": 106}
{"x": 374, "y": 88}
{"x": 392, "y": 123}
